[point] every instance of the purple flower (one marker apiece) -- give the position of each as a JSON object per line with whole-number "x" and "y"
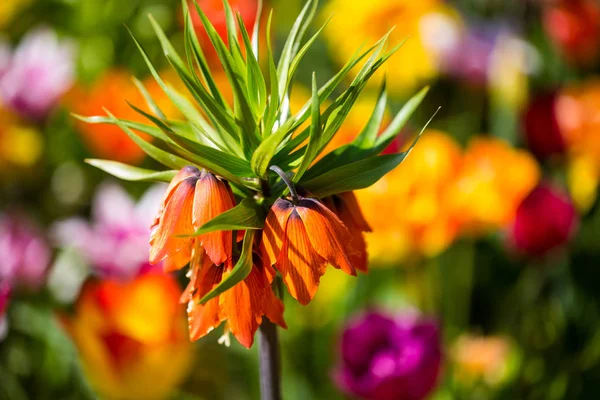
{"x": 37, "y": 74}
{"x": 115, "y": 243}
{"x": 545, "y": 220}
{"x": 385, "y": 358}
{"x": 24, "y": 253}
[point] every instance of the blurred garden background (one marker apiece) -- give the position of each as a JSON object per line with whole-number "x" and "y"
{"x": 482, "y": 278}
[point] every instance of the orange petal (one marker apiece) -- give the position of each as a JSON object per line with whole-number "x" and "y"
{"x": 327, "y": 234}
{"x": 178, "y": 260}
{"x": 203, "y": 318}
{"x": 175, "y": 218}
{"x": 243, "y": 306}
{"x": 274, "y": 309}
{"x": 300, "y": 265}
{"x": 274, "y": 231}
{"x": 349, "y": 204}
{"x": 212, "y": 198}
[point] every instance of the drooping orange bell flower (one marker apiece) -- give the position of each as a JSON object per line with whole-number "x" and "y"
{"x": 346, "y": 207}
{"x": 300, "y": 240}
{"x": 243, "y": 306}
{"x": 193, "y": 198}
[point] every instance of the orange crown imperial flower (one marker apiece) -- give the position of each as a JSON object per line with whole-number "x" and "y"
{"x": 215, "y": 150}
{"x": 243, "y": 306}
{"x": 192, "y": 199}
{"x": 346, "y": 207}
{"x": 301, "y": 236}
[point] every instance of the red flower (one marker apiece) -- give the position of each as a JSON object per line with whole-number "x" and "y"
{"x": 544, "y": 221}
{"x": 574, "y": 25}
{"x": 542, "y": 130}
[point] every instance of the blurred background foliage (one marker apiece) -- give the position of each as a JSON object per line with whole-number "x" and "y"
{"x": 490, "y": 228}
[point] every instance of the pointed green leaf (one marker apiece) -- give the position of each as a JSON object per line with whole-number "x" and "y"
{"x": 400, "y": 119}
{"x": 359, "y": 174}
{"x": 224, "y": 164}
{"x": 358, "y": 149}
{"x": 242, "y": 269}
{"x": 168, "y": 159}
{"x": 314, "y": 141}
{"x": 131, "y": 173}
{"x": 368, "y": 136}
{"x": 246, "y": 215}
{"x": 193, "y": 46}
{"x": 149, "y": 100}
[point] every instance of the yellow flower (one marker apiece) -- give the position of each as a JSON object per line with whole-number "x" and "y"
{"x": 20, "y": 145}
{"x": 357, "y": 22}
{"x": 489, "y": 359}
{"x": 9, "y": 8}
{"x": 407, "y": 209}
{"x": 132, "y": 337}
{"x": 578, "y": 115}
{"x": 493, "y": 180}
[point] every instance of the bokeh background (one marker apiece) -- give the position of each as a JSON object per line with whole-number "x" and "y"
{"x": 485, "y": 249}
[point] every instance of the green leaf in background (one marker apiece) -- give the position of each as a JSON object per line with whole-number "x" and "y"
{"x": 242, "y": 269}
{"x": 246, "y": 215}
{"x": 131, "y": 173}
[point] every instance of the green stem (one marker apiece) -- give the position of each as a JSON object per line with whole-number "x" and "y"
{"x": 287, "y": 181}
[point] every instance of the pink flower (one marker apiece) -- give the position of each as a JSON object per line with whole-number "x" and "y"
{"x": 115, "y": 243}
{"x": 545, "y": 220}
{"x": 24, "y": 253}
{"x": 37, "y": 74}
{"x": 4, "y": 297}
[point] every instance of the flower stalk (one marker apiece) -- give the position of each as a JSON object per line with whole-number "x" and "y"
{"x": 269, "y": 361}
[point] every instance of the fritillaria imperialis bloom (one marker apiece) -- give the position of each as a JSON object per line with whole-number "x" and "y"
{"x": 231, "y": 210}
{"x": 192, "y": 199}
{"x": 389, "y": 358}
{"x": 300, "y": 238}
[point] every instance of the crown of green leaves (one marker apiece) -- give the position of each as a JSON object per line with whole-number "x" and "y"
{"x": 241, "y": 142}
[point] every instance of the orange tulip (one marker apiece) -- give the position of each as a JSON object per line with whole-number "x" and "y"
{"x": 300, "y": 239}
{"x": 126, "y": 332}
{"x": 192, "y": 199}
{"x": 346, "y": 207}
{"x": 242, "y": 306}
